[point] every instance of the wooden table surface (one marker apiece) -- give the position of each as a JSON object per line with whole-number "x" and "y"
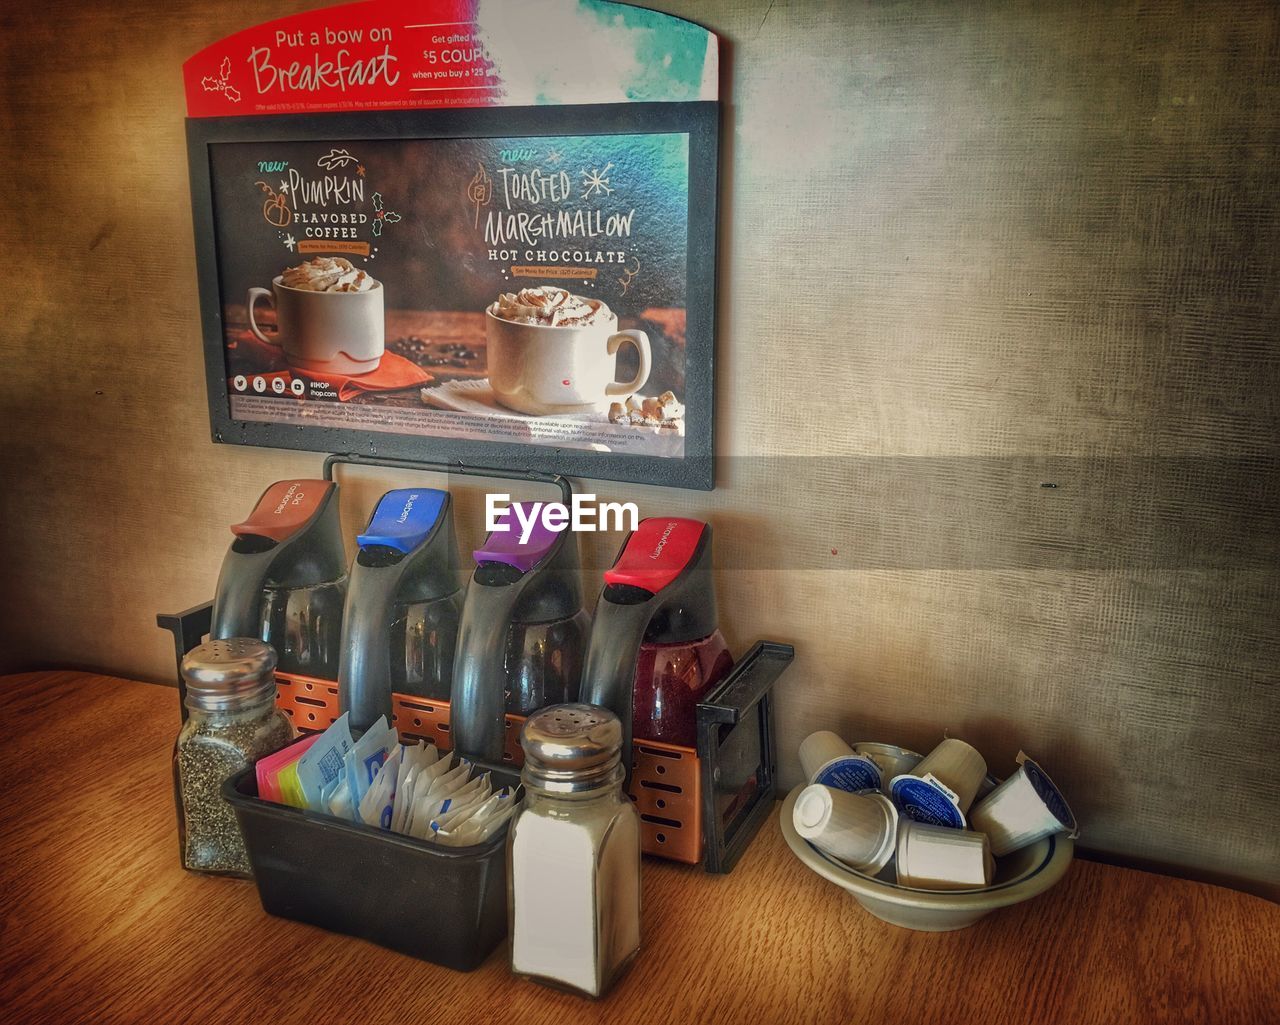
{"x": 99, "y": 923}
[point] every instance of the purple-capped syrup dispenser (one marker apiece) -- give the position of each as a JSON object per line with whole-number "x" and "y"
{"x": 523, "y": 632}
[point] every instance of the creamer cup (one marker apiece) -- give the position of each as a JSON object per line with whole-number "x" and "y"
{"x": 941, "y": 858}
{"x": 1023, "y": 809}
{"x": 828, "y": 760}
{"x": 988, "y": 784}
{"x": 940, "y": 789}
{"x": 859, "y": 829}
{"x": 890, "y": 759}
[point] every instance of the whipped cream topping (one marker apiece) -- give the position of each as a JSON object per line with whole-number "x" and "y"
{"x": 548, "y": 306}
{"x": 327, "y": 274}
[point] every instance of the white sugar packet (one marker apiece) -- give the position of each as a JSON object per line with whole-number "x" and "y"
{"x": 403, "y": 801}
{"x": 483, "y": 823}
{"x": 427, "y": 775}
{"x": 457, "y": 809}
{"x": 339, "y": 803}
{"x": 378, "y": 803}
{"x": 427, "y": 807}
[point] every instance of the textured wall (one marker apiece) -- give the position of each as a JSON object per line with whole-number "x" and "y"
{"x": 969, "y": 250}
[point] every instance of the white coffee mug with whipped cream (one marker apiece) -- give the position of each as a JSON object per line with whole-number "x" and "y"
{"x": 559, "y": 368}
{"x": 327, "y": 332}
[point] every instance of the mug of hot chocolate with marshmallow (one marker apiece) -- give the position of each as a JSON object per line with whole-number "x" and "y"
{"x": 329, "y": 316}
{"x": 553, "y": 352}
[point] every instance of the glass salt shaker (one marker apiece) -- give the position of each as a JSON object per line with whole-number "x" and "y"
{"x": 574, "y": 854}
{"x": 232, "y": 721}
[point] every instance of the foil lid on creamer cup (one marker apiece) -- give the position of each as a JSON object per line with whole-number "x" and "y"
{"x": 988, "y": 784}
{"x": 941, "y": 788}
{"x": 889, "y": 758}
{"x": 859, "y": 829}
{"x": 1023, "y": 809}
{"x": 828, "y": 760}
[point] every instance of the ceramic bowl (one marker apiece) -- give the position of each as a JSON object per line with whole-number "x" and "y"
{"x": 1019, "y": 876}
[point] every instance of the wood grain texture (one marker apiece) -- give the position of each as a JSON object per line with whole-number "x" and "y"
{"x": 967, "y": 249}
{"x": 99, "y": 923}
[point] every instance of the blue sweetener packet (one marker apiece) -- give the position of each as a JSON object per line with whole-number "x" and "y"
{"x": 364, "y": 760}
{"x": 378, "y": 806}
{"x": 324, "y": 762}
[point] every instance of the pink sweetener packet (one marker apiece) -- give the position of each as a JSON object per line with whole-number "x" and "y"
{"x": 268, "y": 769}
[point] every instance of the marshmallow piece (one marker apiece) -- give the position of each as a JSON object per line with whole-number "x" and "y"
{"x": 671, "y": 409}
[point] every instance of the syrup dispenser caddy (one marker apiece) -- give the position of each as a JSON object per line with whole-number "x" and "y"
{"x": 702, "y": 766}
{"x": 523, "y": 624}
{"x": 400, "y": 626}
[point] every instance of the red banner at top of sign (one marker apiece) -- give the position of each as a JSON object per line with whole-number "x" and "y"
{"x": 424, "y": 54}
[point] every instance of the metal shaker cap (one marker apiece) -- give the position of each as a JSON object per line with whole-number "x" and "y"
{"x": 572, "y": 748}
{"x": 229, "y": 675}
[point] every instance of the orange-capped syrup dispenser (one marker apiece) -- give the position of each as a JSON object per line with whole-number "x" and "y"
{"x": 284, "y": 581}
{"x": 284, "y": 578}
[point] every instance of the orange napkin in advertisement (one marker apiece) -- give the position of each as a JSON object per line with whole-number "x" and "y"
{"x": 393, "y": 373}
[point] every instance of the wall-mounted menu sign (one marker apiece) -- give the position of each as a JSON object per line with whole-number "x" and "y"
{"x": 437, "y": 235}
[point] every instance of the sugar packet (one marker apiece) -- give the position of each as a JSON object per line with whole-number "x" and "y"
{"x": 481, "y": 822}
{"x": 378, "y": 803}
{"x": 323, "y": 762}
{"x": 427, "y": 806}
{"x": 366, "y": 756}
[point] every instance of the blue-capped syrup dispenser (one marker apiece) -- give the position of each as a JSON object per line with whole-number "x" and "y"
{"x": 400, "y": 626}
{"x": 284, "y": 578}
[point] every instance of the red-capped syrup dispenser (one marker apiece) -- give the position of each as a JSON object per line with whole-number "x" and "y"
{"x": 655, "y": 646}
{"x": 284, "y": 578}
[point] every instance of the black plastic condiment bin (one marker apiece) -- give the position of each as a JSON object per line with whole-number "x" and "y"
{"x": 447, "y": 905}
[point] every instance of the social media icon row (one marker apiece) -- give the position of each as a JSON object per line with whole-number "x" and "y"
{"x": 277, "y": 384}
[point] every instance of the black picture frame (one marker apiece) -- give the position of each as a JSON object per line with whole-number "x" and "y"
{"x": 700, "y": 120}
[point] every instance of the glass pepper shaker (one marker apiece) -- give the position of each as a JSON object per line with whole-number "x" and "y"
{"x": 232, "y": 721}
{"x": 574, "y": 854}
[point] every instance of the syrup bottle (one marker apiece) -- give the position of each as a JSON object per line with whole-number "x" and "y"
{"x": 523, "y": 633}
{"x": 655, "y": 648}
{"x": 284, "y": 578}
{"x": 401, "y": 620}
